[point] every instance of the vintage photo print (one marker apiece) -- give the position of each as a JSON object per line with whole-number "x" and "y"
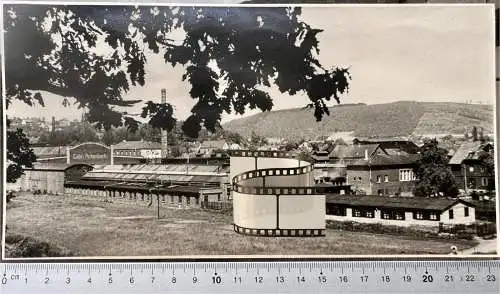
{"x": 245, "y": 131}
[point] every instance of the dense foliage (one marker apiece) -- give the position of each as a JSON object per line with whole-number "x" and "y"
{"x": 19, "y": 154}
{"x": 54, "y": 49}
{"x": 231, "y": 57}
{"x": 434, "y": 176}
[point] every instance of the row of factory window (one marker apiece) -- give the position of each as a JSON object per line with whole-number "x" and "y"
{"x": 261, "y": 153}
{"x": 405, "y": 175}
{"x": 390, "y": 214}
{"x": 127, "y": 153}
{"x": 144, "y": 196}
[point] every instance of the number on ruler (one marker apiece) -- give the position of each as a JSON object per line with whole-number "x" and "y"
{"x": 216, "y": 280}
{"x": 237, "y": 280}
{"x": 301, "y": 279}
{"x": 343, "y": 279}
{"x": 427, "y": 278}
{"x": 131, "y": 280}
{"x": 195, "y": 279}
{"x": 386, "y": 279}
{"x": 68, "y": 280}
{"x": 490, "y": 278}
{"x": 280, "y": 279}
{"x": 364, "y": 279}
{"x": 46, "y": 280}
{"x": 259, "y": 280}
{"x": 448, "y": 278}
{"x": 470, "y": 278}
{"x": 407, "y": 278}
{"x": 322, "y": 279}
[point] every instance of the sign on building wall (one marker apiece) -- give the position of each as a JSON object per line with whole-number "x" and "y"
{"x": 155, "y": 153}
{"x": 90, "y": 153}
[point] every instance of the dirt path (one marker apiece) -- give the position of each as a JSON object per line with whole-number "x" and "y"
{"x": 484, "y": 246}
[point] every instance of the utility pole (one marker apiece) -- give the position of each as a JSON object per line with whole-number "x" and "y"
{"x": 465, "y": 179}
{"x": 164, "y": 133}
{"x": 158, "y": 204}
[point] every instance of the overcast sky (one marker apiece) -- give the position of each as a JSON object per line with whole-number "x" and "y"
{"x": 420, "y": 53}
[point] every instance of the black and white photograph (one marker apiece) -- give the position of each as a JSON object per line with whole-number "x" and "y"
{"x": 144, "y": 131}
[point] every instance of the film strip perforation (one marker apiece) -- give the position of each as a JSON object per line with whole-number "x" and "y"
{"x": 279, "y": 232}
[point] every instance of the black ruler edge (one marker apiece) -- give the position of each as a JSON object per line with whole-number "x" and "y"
{"x": 248, "y": 259}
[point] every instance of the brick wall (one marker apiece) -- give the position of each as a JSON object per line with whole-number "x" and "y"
{"x": 391, "y": 187}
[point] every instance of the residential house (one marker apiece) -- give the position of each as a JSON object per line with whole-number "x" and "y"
{"x": 207, "y": 148}
{"x": 234, "y": 146}
{"x": 383, "y": 174}
{"x": 274, "y": 142}
{"x": 133, "y": 152}
{"x": 391, "y": 145}
{"x": 325, "y": 170}
{"x": 340, "y": 157}
{"x": 320, "y": 156}
{"x": 307, "y": 146}
{"x": 400, "y": 211}
{"x": 468, "y": 170}
{"x": 345, "y": 136}
{"x": 345, "y": 154}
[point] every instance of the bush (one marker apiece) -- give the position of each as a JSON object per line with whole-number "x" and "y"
{"x": 464, "y": 235}
{"x": 20, "y": 246}
{"x": 10, "y": 195}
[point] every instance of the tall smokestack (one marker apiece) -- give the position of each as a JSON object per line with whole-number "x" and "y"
{"x": 164, "y": 133}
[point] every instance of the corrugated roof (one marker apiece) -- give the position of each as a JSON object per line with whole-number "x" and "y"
{"x": 139, "y": 186}
{"x": 137, "y": 145}
{"x": 437, "y": 204}
{"x": 151, "y": 177}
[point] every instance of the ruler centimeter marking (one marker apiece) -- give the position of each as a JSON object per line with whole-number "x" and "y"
{"x": 465, "y": 276}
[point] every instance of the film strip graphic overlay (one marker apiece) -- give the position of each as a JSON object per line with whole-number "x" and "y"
{"x": 244, "y": 184}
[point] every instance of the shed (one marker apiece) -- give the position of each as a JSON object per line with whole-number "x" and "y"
{"x": 50, "y": 177}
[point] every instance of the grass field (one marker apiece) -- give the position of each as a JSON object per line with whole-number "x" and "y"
{"x": 92, "y": 228}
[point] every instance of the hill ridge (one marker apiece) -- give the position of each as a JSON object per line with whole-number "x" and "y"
{"x": 401, "y": 118}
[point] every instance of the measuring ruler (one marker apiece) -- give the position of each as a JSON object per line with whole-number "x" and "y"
{"x": 465, "y": 276}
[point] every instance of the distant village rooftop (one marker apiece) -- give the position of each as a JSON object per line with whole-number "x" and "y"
{"x": 137, "y": 145}
{"x": 468, "y": 150}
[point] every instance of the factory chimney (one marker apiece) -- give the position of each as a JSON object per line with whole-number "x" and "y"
{"x": 164, "y": 133}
